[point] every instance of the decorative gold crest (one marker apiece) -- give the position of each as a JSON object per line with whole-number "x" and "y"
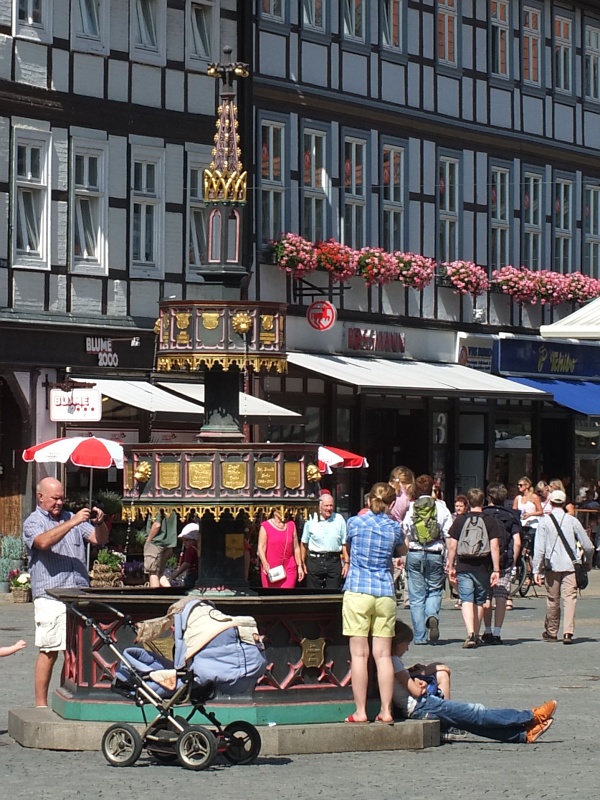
{"x": 265, "y": 475}
{"x": 292, "y": 476}
{"x": 210, "y": 320}
{"x": 241, "y": 322}
{"x": 233, "y": 475}
{"x": 313, "y": 652}
{"x": 200, "y": 474}
{"x": 267, "y": 322}
{"x": 183, "y": 320}
{"x": 168, "y": 476}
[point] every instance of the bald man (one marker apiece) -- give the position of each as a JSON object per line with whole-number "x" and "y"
{"x": 56, "y": 542}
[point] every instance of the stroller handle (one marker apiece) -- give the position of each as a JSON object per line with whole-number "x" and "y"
{"x": 89, "y": 621}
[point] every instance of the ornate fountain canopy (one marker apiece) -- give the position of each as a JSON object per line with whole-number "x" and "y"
{"x": 225, "y": 180}
{"x": 195, "y": 335}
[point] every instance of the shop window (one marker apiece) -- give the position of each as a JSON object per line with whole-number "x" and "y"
{"x": 343, "y": 424}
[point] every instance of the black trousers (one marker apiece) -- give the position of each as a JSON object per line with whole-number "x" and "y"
{"x": 324, "y": 571}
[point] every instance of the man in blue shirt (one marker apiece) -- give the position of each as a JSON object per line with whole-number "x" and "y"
{"x": 55, "y": 541}
{"x": 322, "y": 538}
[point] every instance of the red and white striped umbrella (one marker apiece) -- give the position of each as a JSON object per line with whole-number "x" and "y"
{"x": 329, "y": 457}
{"x": 83, "y": 451}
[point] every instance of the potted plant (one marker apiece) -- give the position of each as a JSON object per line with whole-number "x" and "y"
{"x": 108, "y": 569}
{"x": 415, "y": 271}
{"x": 20, "y": 586}
{"x": 376, "y": 266}
{"x": 465, "y": 277}
{"x": 5, "y": 567}
{"x": 337, "y": 259}
{"x": 12, "y": 549}
{"x": 294, "y": 255}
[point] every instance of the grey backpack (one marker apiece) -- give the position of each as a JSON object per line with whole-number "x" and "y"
{"x": 473, "y": 541}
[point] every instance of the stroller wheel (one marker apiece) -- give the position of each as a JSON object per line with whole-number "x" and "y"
{"x": 161, "y": 740}
{"x": 121, "y": 745}
{"x": 196, "y": 748}
{"x": 242, "y": 742}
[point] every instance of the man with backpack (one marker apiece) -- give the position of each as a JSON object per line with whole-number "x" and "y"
{"x": 474, "y": 561}
{"x": 510, "y": 548}
{"x": 426, "y": 527}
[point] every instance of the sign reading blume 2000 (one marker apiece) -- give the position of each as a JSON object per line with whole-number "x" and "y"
{"x": 103, "y": 349}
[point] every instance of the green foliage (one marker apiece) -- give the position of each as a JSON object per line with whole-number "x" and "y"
{"x": 172, "y": 562}
{"x": 110, "y": 559}
{"x": 12, "y": 547}
{"x": 111, "y": 502}
{"x": 5, "y": 567}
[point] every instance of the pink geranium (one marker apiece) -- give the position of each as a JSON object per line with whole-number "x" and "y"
{"x": 518, "y": 282}
{"x": 466, "y": 277}
{"x": 376, "y": 266}
{"x": 581, "y": 288}
{"x": 414, "y": 270}
{"x": 295, "y": 255}
{"x": 551, "y": 288}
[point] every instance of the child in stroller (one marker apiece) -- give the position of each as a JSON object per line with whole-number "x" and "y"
{"x": 213, "y": 652}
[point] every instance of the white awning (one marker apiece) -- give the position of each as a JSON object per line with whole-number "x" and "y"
{"x": 581, "y": 324}
{"x": 144, "y": 395}
{"x": 413, "y": 377}
{"x": 249, "y": 406}
{"x": 189, "y": 398}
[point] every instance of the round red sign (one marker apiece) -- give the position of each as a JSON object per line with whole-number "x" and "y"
{"x": 321, "y": 315}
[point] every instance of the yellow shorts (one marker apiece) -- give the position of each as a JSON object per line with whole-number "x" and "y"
{"x": 364, "y": 614}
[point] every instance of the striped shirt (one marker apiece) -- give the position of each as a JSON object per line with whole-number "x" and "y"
{"x": 64, "y": 565}
{"x": 372, "y": 540}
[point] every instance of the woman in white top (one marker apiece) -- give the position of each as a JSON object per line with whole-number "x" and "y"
{"x": 542, "y": 490}
{"x": 556, "y": 483}
{"x": 528, "y": 504}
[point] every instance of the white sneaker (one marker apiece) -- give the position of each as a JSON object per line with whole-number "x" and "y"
{"x": 453, "y": 735}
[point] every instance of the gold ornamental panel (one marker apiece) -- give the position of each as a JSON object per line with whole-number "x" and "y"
{"x": 200, "y": 474}
{"x": 169, "y": 476}
{"x": 234, "y": 474}
{"x": 292, "y": 475}
{"x": 313, "y": 652}
{"x": 128, "y": 475}
{"x": 183, "y": 321}
{"x": 265, "y": 475}
{"x": 210, "y": 320}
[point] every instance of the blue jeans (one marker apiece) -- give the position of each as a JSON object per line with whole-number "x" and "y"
{"x": 425, "y": 574}
{"x": 502, "y": 724}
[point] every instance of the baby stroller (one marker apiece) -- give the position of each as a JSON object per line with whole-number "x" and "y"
{"x": 213, "y": 652}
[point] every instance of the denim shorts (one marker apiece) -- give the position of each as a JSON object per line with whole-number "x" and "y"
{"x": 473, "y": 587}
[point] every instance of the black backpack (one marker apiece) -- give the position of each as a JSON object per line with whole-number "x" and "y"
{"x": 511, "y": 524}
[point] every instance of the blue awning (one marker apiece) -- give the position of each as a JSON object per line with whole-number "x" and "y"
{"x": 581, "y": 396}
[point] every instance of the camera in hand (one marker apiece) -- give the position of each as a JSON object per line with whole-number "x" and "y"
{"x": 93, "y": 515}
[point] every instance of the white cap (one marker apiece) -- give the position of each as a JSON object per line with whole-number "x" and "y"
{"x": 190, "y": 531}
{"x": 558, "y": 497}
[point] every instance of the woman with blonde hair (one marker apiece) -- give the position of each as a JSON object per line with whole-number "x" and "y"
{"x": 402, "y": 481}
{"x": 557, "y": 484}
{"x": 528, "y": 504}
{"x": 542, "y": 489}
{"x": 369, "y": 605}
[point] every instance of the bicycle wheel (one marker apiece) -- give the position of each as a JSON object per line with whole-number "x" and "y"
{"x": 196, "y": 748}
{"x": 121, "y": 745}
{"x": 242, "y": 742}
{"x": 517, "y": 579}
{"x": 527, "y": 582}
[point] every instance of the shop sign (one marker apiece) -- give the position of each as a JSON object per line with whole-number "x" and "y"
{"x": 321, "y": 315}
{"x": 549, "y": 359}
{"x": 96, "y": 345}
{"x": 477, "y": 353}
{"x": 76, "y": 405}
{"x": 374, "y": 340}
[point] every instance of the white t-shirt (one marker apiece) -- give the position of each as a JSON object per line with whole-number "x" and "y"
{"x": 403, "y": 700}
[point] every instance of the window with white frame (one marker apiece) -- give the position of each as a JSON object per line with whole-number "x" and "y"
{"x": 315, "y": 185}
{"x": 272, "y": 183}
{"x": 31, "y": 207}
{"x": 197, "y": 233}
{"x": 32, "y": 19}
{"x": 313, "y": 14}
{"x": 203, "y": 38}
{"x": 532, "y": 221}
{"x": 354, "y": 20}
{"x": 391, "y": 24}
{"x": 272, "y": 8}
{"x": 90, "y": 25}
{"x": 148, "y": 30}
{"x": 355, "y": 202}
{"x": 392, "y": 196}
{"x": 448, "y": 209}
{"x": 563, "y": 54}
{"x": 147, "y": 212}
{"x": 563, "y": 225}
{"x": 499, "y": 217}
{"x": 592, "y": 232}
{"x": 446, "y": 31}
{"x": 592, "y": 63}
{"x": 499, "y": 20}
{"x": 531, "y": 40}
{"x": 89, "y": 208}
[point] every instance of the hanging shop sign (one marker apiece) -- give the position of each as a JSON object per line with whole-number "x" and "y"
{"x": 537, "y": 357}
{"x": 321, "y": 315}
{"x": 75, "y": 405}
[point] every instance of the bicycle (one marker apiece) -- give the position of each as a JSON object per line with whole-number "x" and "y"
{"x": 522, "y": 578}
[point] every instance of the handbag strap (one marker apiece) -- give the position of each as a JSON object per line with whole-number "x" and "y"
{"x": 566, "y": 545}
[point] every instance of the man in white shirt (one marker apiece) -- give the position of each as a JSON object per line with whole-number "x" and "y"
{"x": 322, "y": 538}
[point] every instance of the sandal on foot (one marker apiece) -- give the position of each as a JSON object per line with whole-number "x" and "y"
{"x": 352, "y": 719}
{"x": 381, "y": 721}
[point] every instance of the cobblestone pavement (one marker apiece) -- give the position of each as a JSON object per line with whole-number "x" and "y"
{"x": 522, "y": 674}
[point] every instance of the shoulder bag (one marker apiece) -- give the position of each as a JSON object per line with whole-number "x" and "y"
{"x": 581, "y": 576}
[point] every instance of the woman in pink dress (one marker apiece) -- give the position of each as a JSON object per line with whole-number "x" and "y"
{"x": 278, "y": 546}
